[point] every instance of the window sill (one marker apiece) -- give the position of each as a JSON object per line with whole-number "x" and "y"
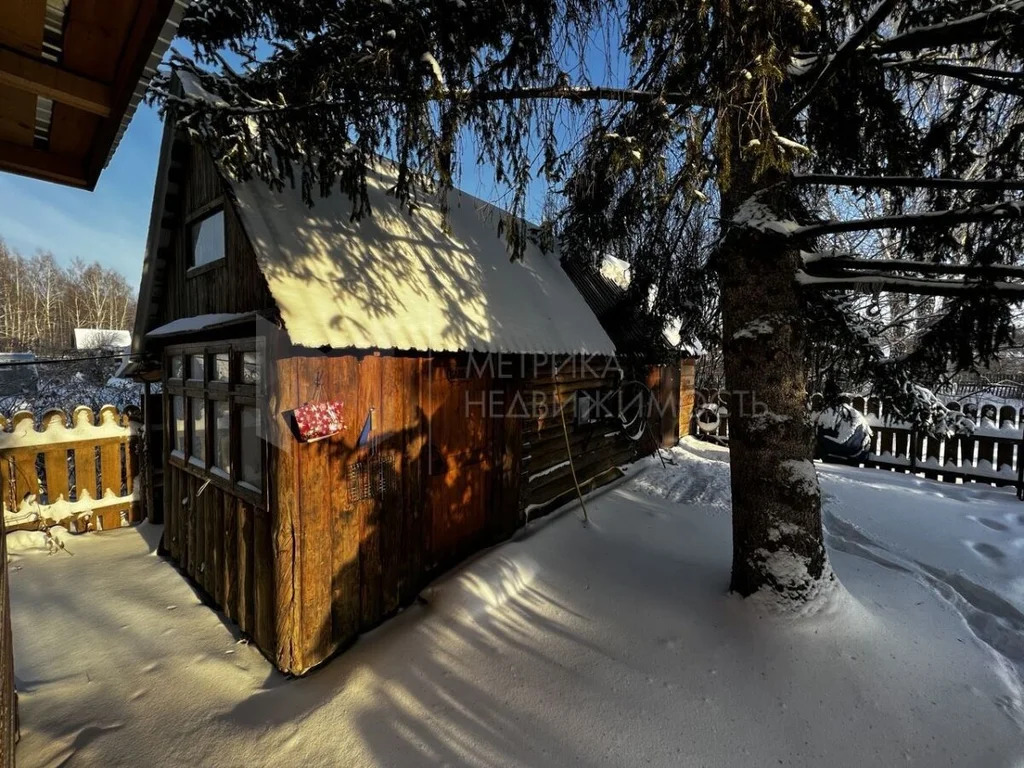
{"x": 202, "y": 269}
{"x": 240, "y": 490}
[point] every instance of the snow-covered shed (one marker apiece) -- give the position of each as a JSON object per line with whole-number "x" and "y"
{"x": 435, "y": 362}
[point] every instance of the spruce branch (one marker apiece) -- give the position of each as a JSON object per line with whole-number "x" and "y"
{"x": 989, "y": 24}
{"x": 947, "y": 218}
{"x": 909, "y": 182}
{"x": 843, "y": 55}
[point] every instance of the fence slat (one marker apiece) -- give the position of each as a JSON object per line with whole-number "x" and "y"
{"x": 67, "y": 457}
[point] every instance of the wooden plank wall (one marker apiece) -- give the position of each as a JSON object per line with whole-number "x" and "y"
{"x": 224, "y": 544}
{"x": 234, "y": 284}
{"x": 663, "y": 381}
{"x": 598, "y": 448}
{"x": 455, "y": 461}
{"x": 687, "y": 394}
{"x": 435, "y": 498}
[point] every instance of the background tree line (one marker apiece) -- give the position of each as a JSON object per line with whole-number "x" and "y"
{"x": 42, "y": 302}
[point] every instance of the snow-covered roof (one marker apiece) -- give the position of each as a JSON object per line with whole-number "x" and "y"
{"x": 95, "y": 338}
{"x": 200, "y": 323}
{"x": 395, "y": 281}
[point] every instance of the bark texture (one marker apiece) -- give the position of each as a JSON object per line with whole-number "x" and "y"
{"x": 776, "y": 504}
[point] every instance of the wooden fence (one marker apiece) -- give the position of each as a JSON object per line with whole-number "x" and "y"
{"x": 76, "y": 471}
{"x": 992, "y": 454}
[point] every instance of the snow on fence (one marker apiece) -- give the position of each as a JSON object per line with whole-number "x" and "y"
{"x": 993, "y": 454}
{"x": 78, "y": 471}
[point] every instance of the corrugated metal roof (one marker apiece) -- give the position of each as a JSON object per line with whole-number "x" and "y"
{"x": 411, "y": 282}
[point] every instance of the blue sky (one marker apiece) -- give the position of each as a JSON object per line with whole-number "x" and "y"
{"x": 107, "y": 225}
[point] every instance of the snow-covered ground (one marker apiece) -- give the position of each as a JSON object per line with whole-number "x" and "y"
{"x": 613, "y": 644}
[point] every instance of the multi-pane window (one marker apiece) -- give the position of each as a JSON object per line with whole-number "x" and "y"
{"x": 215, "y": 410}
{"x": 222, "y": 435}
{"x": 207, "y": 236}
{"x": 251, "y": 464}
{"x": 197, "y": 408}
{"x": 178, "y": 417}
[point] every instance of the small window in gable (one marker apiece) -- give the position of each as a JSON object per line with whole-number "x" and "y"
{"x": 207, "y": 236}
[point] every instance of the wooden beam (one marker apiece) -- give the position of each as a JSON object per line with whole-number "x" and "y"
{"x": 46, "y": 79}
{"x": 29, "y": 161}
{"x": 149, "y": 21}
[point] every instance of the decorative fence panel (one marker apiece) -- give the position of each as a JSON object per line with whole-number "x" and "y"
{"x": 80, "y": 472}
{"x": 993, "y": 454}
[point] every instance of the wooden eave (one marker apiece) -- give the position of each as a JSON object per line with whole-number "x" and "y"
{"x": 72, "y": 73}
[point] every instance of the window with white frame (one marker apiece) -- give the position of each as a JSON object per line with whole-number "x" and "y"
{"x": 215, "y": 396}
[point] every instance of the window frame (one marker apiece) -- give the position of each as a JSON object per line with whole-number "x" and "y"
{"x": 236, "y": 394}
{"x": 195, "y": 219}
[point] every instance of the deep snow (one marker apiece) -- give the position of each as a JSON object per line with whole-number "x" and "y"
{"x": 612, "y": 644}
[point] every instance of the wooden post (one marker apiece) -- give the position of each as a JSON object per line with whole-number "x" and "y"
{"x": 687, "y": 395}
{"x": 8, "y": 698}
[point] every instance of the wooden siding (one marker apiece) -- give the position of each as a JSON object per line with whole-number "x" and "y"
{"x": 438, "y": 466}
{"x": 687, "y": 394}
{"x": 233, "y": 284}
{"x": 456, "y": 459}
{"x": 224, "y": 544}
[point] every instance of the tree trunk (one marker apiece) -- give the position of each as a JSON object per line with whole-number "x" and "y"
{"x": 776, "y": 505}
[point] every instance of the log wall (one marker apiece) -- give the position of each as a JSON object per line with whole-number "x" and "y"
{"x": 598, "y": 447}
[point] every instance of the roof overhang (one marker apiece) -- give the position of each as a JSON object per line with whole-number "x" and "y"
{"x": 72, "y": 73}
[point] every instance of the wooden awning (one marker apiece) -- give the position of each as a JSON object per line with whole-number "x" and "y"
{"x": 72, "y": 73}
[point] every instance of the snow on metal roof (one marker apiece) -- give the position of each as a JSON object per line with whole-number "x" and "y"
{"x": 395, "y": 281}
{"x": 200, "y": 323}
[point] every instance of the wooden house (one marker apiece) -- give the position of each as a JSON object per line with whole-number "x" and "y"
{"x": 450, "y": 360}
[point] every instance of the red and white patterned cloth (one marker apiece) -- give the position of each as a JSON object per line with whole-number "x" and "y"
{"x": 315, "y": 421}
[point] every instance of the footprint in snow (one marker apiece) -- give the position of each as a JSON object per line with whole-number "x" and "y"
{"x": 995, "y": 525}
{"x": 988, "y": 551}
